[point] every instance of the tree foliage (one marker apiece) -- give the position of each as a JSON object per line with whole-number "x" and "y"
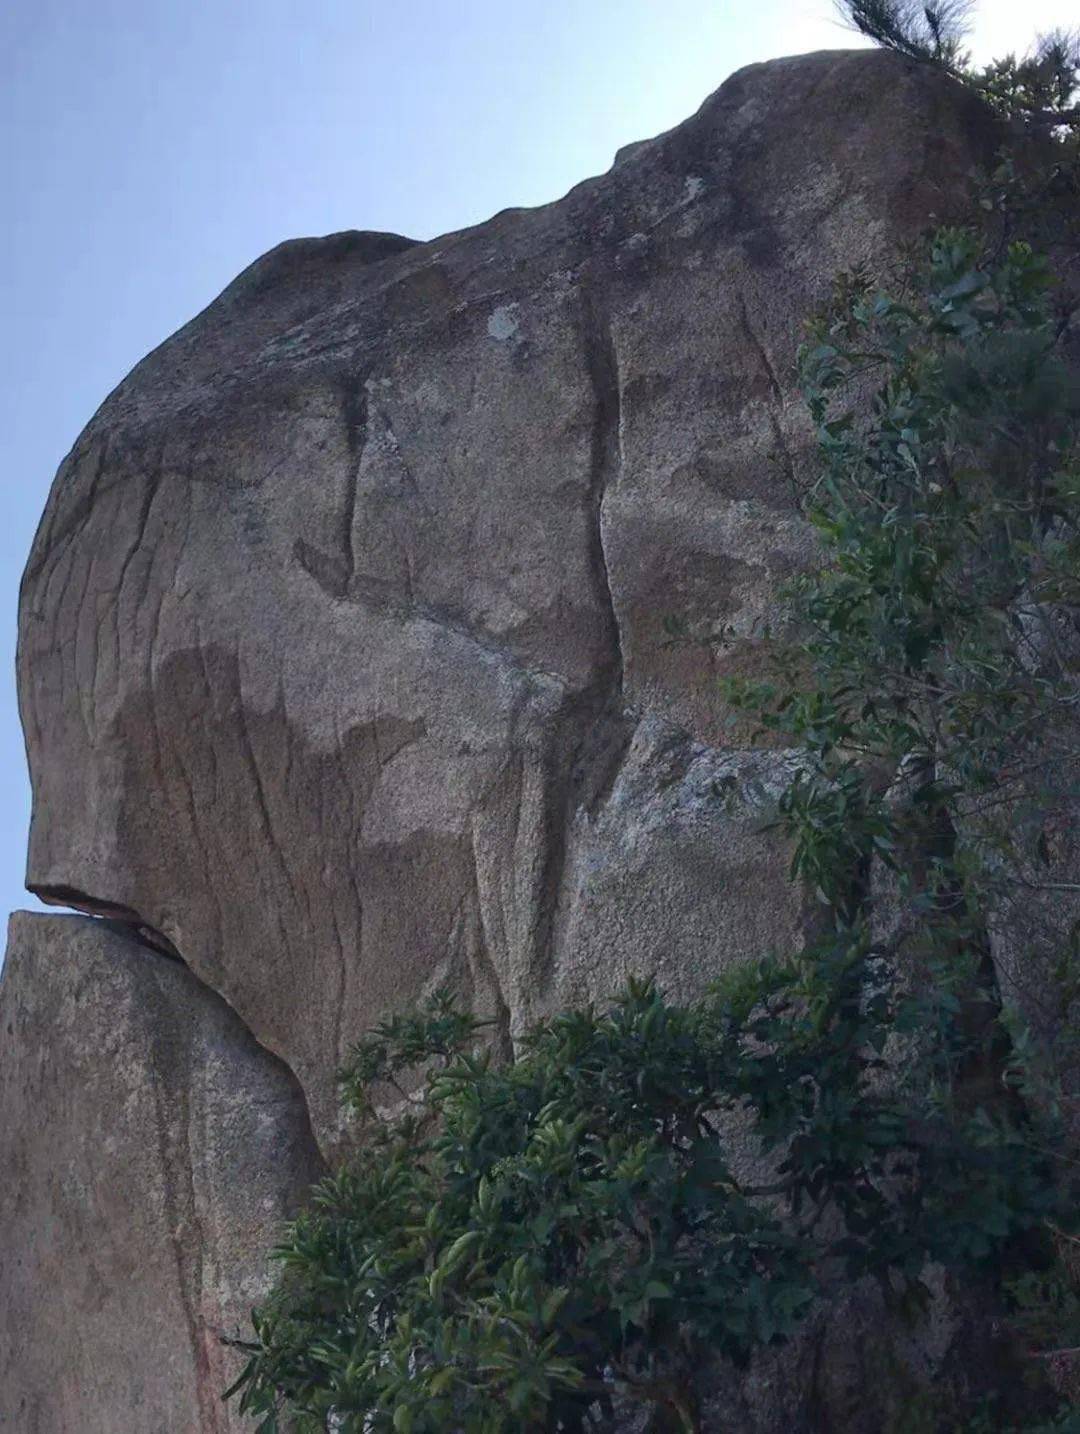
{"x": 933, "y": 30}
{"x": 939, "y": 633}
{"x": 525, "y": 1245}
{"x": 1037, "y": 89}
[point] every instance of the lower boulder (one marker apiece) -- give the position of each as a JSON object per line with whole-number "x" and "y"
{"x": 150, "y": 1149}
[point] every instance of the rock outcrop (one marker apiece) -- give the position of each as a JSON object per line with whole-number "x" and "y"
{"x": 149, "y": 1150}
{"x": 344, "y": 663}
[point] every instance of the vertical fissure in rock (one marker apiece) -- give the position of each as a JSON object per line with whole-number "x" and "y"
{"x": 485, "y": 969}
{"x": 182, "y": 1216}
{"x": 594, "y": 730}
{"x": 776, "y": 404}
{"x": 341, "y": 1001}
{"x": 605, "y": 457}
{"x": 753, "y": 338}
{"x": 354, "y": 407}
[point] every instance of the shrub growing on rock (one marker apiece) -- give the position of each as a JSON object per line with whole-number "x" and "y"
{"x": 523, "y": 1246}
{"x": 520, "y": 1247}
{"x": 534, "y": 1245}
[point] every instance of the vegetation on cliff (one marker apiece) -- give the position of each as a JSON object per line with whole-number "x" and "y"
{"x": 545, "y": 1243}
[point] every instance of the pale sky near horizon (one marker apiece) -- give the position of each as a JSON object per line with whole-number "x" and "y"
{"x": 151, "y": 149}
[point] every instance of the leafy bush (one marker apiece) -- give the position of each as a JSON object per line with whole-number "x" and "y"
{"x": 517, "y": 1246}
{"x": 932, "y": 692}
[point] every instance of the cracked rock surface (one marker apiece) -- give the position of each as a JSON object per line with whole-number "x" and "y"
{"x": 344, "y": 672}
{"x": 149, "y": 1150}
{"x": 347, "y": 607}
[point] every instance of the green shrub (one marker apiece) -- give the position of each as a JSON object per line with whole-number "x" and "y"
{"x": 518, "y": 1245}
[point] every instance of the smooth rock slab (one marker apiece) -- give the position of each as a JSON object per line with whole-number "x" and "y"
{"x": 149, "y": 1150}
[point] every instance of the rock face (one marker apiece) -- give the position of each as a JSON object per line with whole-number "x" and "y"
{"x": 149, "y": 1149}
{"x": 343, "y": 661}
{"x": 342, "y": 620}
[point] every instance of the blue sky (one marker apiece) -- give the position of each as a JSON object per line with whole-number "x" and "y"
{"x": 152, "y": 148}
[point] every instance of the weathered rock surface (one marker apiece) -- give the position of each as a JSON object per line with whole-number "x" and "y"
{"x": 343, "y": 665}
{"x": 149, "y": 1149}
{"x": 344, "y": 672}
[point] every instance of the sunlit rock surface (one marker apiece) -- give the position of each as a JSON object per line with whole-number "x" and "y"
{"x": 149, "y": 1151}
{"x": 345, "y": 665}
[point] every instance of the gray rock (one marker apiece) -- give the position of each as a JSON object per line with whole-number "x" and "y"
{"x": 149, "y": 1149}
{"x": 668, "y": 874}
{"x": 345, "y": 672}
{"x": 348, "y": 603}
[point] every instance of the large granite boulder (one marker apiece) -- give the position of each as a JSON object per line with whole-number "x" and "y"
{"x": 343, "y": 661}
{"x": 345, "y": 670}
{"x": 149, "y": 1150}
